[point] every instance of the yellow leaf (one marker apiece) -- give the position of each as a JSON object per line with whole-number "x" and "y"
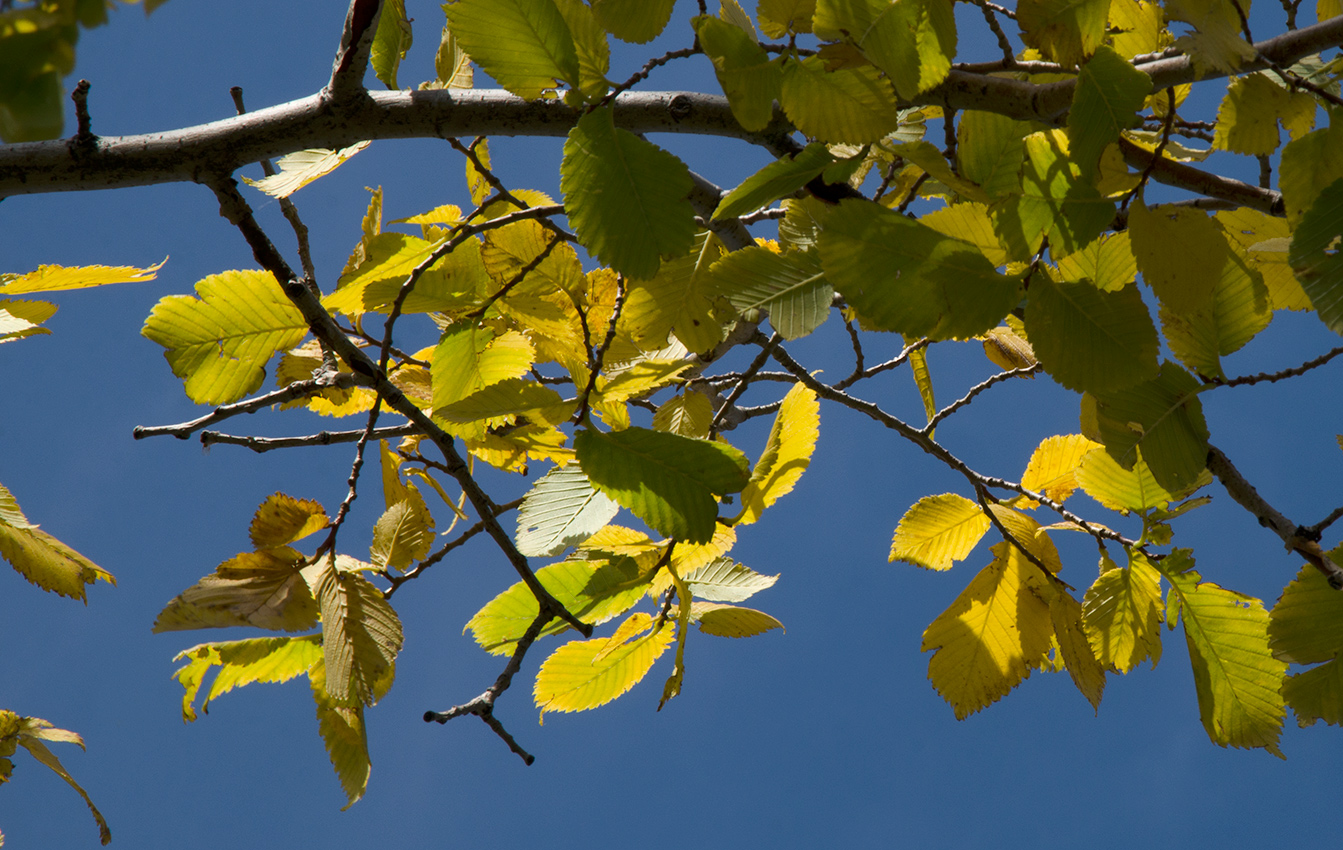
{"x": 265, "y": 589}
{"x": 969, "y": 222}
{"x": 1052, "y": 470}
{"x": 300, "y": 168}
{"x": 688, "y": 414}
{"x": 242, "y": 662}
{"x": 343, "y": 733}
{"x": 1028, "y": 533}
{"x": 687, "y": 558}
{"x": 1008, "y": 349}
{"x": 641, "y": 379}
{"x": 792, "y": 439}
{"x": 283, "y": 519}
{"x": 404, "y": 533}
{"x": 470, "y": 358}
{"x": 1259, "y": 236}
{"x": 730, "y": 621}
{"x": 361, "y": 635}
{"x": 990, "y": 639}
{"x": 938, "y": 531}
{"x": 220, "y": 342}
{"x": 1086, "y": 672}
{"x": 1122, "y": 613}
{"x": 572, "y": 679}
{"x": 60, "y": 278}
{"x": 41, "y": 558}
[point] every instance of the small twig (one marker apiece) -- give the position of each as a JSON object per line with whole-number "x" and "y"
{"x": 1265, "y": 172}
{"x": 296, "y": 390}
{"x": 1316, "y": 531}
{"x": 517, "y": 278}
{"x": 1296, "y": 538}
{"x": 976, "y": 390}
{"x": 1004, "y": 44}
{"x": 642, "y": 74}
{"x": 456, "y": 542}
{"x": 261, "y": 445}
{"x": 598, "y": 356}
{"x": 1270, "y": 377}
{"x": 1157, "y": 154}
{"x": 859, "y": 363}
{"x": 766, "y": 346}
{"x": 949, "y": 137}
{"x": 886, "y": 366}
{"x": 352, "y": 493}
{"x": 764, "y": 214}
{"x": 1290, "y": 7}
{"x": 913, "y": 192}
{"x": 84, "y": 132}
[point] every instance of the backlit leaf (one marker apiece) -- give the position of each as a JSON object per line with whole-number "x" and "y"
{"x": 1084, "y": 669}
{"x": 1107, "y": 262}
{"x": 905, "y": 277}
{"x": 1120, "y": 489}
{"x": 855, "y": 105}
{"x": 1164, "y": 418}
{"x": 61, "y": 278}
{"x": 584, "y": 674}
{"x": 780, "y": 17}
{"x": 1122, "y": 612}
{"x": 1316, "y": 694}
{"x": 679, "y": 298}
{"x": 391, "y": 40}
{"x": 1066, "y": 31}
{"x": 637, "y": 21}
{"x": 625, "y": 197}
{"x": 1253, "y": 232}
{"x": 281, "y": 519}
{"x": 792, "y": 439}
{"x": 403, "y": 534}
{"x": 264, "y": 589}
{"x": 594, "y": 54}
{"x": 1316, "y": 256}
{"x": 524, "y": 44}
{"x": 343, "y": 733}
{"x": 1235, "y": 312}
{"x": 1309, "y": 164}
{"x": 361, "y": 635}
{"x": 989, "y": 150}
{"x": 1215, "y": 42}
{"x": 469, "y": 358}
{"x": 33, "y": 744}
{"x": 749, "y": 77}
{"x": 561, "y": 509}
{"x": 990, "y": 638}
{"x": 913, "y": 41}
{"x": 938, "y": 531}
{"x": 688, "y": 414}
{"x": 1247, "y": 121}
{"x": 41, "y": 558}
{"x": 1052, "y": 470}
{"x": 298, "y": 169}
{"x": 242, "y": 662}
{"x": 1238, "y": 680}
{"x": 1055, "y": 201}
{"x": 1088, "y": 339}
{"x": 731, "y": 621}
{"x": 1306, "y": 626}
{"x": 779, "y": 179}
{"x": 220, "y": 342}
{"x": 725, "y": 580}
{"x": 668, "y": 481}
{"x": 1109, "y": 94}
{"x": 1180, "y": 251}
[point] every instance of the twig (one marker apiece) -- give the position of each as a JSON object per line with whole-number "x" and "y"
{"x": 1316, "y": 531}
{"x": 1009, "y": 55}
{"x": 458, "y": 541}
{"x": 1157, "y": 154}
{"x": 1294, "y": 537}
{"x": 886, "y": 366}
{"x": 1270, "y": 377}
{"x": 642, "y": 74}
{"x": 84, "y": 133}
{"x": 976, "y": 390}
{"x": 321, "y": 438}
{"x": 347, "y": 72}
{"x": 352, "y": 482}
{"x": 296, "y": 390}
{"x": 766, "y": 346}
{"x": 598, "y": 356}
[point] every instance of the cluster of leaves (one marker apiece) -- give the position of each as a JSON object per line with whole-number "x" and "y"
{"x": 37, "y": 49}
{"x": 1032, "y": 235}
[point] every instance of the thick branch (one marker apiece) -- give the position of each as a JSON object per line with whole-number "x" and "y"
{"x": 1295, "y": 538}
{"x": 347, "y": 72}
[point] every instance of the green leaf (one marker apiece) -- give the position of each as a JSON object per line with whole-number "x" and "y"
{"x": 390, "y": 42}
{"x": 584, "y": 674}
{"x": 343, "y": 734}
{"x": 1180, "y": 251}
{"x": 625, "y": 197}
{"x": 730, "y": 621}
{"x": 790, "y": 287}
{"x": 524, "y": 44}
{"x": 688, "y": 414}
{"x": 779, "y": 179}
{"x": 41, "y": 558}
{"x": 1107, "y": 262}
{"x": 913, "y": 41}
{"x": 1121, "y": 613}
{"x": 594, "y": 54}
{"x": 637, "y": 21}
{"x": 1306, "y": 626}
{"x": 679, "y": 298}
{"x": 990, "y": 638}
{"x": 263, "y": 589}
{"x": 905, "y": 277}
{"x": 1120, "y": 489}
{"x": 1164, "y": 418}
{"x": 561, "y": 509}
{"x": 938, "y": 531}
{"x": 989, "y": 151}
{"x": 725, "y": 580}
{"x": 854, "y": 105}
{"x": 1316, "y": 256}
{"x": 593, "y": 591}
{"x": 221, "y": 342}
{"x": 1236, "y": 311}
{"x": 1309, "y": 164}
{"x": 1238, "y": 680}
{"x": 781, "y": 17}
{"x": 470, "y": 358}
{"x": 1109, "y": 94}
{"x": 750, "y": 79}
{"x": 666, "y": 480}
{"x": 361, "y": 635}
{"x": 1066, "y": 31}
{"x": 1055, "y": 201}
{"x": 1088, "y": 339}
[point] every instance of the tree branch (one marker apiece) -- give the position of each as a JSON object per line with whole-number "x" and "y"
{"x": 347, "y": 72}
{"x": 296, "y": 390}
{"x": 1296, "y": 538}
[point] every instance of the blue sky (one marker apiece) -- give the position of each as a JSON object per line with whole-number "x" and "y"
{"x": 829, "y": 735}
